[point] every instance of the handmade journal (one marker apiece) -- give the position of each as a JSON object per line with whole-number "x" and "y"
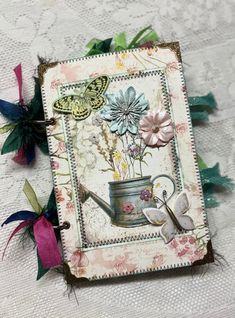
{"x": 124, "y": 163}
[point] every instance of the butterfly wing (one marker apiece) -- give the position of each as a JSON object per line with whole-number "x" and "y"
{"x": 181, "y": 203}
{"x": 97, "y": 102}
{"x": 80, "y": 109}
{"x": 155, "y": 216}
{"x": 168, "y": 230}
{"x": 64, "y": 104}
{"x": 158, "y": 217}
{"x": 186, "y": 222}
{"x": 181, "y": 206}
{"x": 94, "y": 92}
{"x": 97, "y": 86}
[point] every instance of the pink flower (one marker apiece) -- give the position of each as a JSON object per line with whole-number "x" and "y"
{"x": 59, "y": 196}
{"x": 158, "y": 260}
{"x": 156, "y": 128}
{"x": 55, "y": 83}
{"x": 181, "y": 128}
{"x": 70, "y": 206}
{"x": 122, "y": 265}
{"x": 192, "y": 240}
{"x": 170, "y": 67}
{"x": 182, "y": 252}
{"x": 55, "y": 165}
{"x": 61, "y": 146}
{"x": 174, "y": 243}
{"x": 183, "y": 240}
{"x": 128, "y": 207}
{"x": 79, "y": 259}
{"x": 198, "y": 254}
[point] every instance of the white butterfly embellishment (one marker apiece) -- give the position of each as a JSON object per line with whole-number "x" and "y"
{"x": 171, "y": 220}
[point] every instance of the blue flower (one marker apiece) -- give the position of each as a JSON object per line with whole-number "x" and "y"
{"x": 124, "y": 111}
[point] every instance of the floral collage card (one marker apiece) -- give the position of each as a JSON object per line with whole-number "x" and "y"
{"x": 124, "y": 163}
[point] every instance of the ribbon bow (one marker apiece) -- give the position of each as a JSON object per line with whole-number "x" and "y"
{"x": 41, "y": 223}
{"x": 25, "y": 124}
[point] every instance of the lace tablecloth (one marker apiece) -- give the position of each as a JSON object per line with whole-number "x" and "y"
{"x": 59, "y": 30}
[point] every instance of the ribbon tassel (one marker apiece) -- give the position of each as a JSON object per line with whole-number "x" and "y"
{"x": 18, "y": 73}
{"x": 45, "y": 238}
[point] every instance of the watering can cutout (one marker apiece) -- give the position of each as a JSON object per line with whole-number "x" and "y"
{"x": 129, "y": 197}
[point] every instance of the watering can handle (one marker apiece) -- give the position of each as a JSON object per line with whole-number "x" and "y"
{"x": 168, "y": 177}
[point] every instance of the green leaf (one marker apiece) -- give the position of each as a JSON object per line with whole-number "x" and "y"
{"x": 59, "y": 137}
{"x": 147, "y": 153}
{"x": 31, "y": 196}
{"x": 144, "y": 162}
{"x": 41, "y": 271}
{"x": 120, "y": 42}
{"x": 62, "y": 174}
{"x": 108, "y": 169}
{"x": 13, "y": 141}
{"x": 6, "y": 128}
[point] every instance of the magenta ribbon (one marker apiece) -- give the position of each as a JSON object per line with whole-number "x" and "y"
{"x": 45, "y": 238}
{"x": 18, "y": 73}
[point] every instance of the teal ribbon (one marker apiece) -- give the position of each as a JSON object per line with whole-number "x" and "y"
{"x": 201, "y": 106}
{"x": 211, "y": 180}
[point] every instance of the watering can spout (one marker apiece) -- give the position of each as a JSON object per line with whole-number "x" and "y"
{"x": 85, "y": 194}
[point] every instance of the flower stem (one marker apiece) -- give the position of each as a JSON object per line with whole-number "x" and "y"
{"x": 126, "y": 157}
{"x": 132, "y": 160}
{"x": 141, "y": 157}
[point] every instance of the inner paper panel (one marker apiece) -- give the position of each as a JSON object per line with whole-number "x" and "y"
{"x": 91, "y": 146}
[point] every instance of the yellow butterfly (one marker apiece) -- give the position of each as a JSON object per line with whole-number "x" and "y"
{"x": 90, "y": 98}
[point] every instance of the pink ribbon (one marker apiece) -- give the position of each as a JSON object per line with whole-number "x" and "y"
{"x": 18, "y": 73}
{"x": 45, "y": 238}
{"x": 16, "y": 230}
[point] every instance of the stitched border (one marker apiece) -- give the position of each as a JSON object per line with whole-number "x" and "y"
{"x": 194, "y": 152}
{"x": 74, "y": 174}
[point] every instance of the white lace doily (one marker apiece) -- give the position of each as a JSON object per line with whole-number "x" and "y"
{"x": 59, "y": 30}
